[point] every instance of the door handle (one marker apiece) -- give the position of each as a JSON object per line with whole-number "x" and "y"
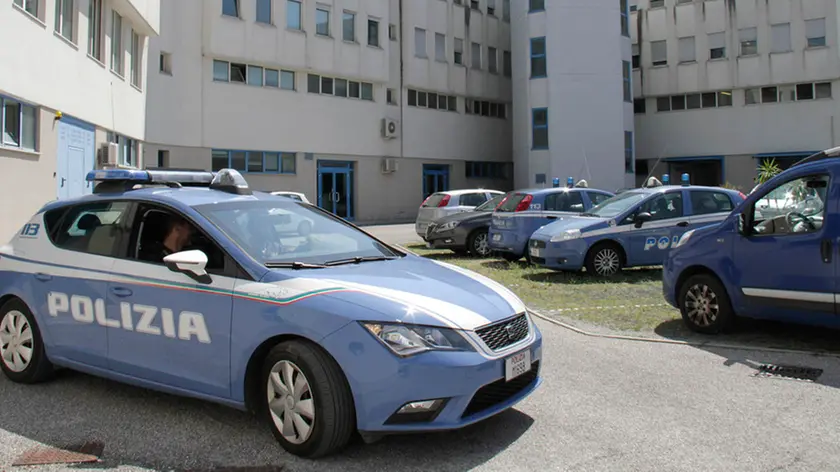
{"x": 825, "y": 250}
{"x": 121, "y": 291}
{"x": 43, "y": 277}
{"x": 682, "y": 224}
{"x": 62, "y": 181}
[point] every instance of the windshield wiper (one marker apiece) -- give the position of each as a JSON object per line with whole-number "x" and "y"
{"x": 358, "y": 259}
{"x": 293, "y": 265}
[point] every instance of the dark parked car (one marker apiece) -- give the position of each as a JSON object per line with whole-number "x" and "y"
{"x": 464, "y": 232}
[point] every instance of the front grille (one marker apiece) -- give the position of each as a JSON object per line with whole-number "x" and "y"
{"x": 500, "y": 391}
{"x": 537, "y": 243}
{"x": 503, "y": 334}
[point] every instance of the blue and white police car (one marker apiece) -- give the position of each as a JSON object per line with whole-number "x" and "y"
{"x": 181, "y": 282}
{"x": 523, "y": 211}
{"x": 634, "y": 228}
{"x": 779, "y": 265}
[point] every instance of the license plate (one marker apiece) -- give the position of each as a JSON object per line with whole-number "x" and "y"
{"x": 517, "y": 365}
{"x": 536, "y": 252}
{"x": 497, "y": 237}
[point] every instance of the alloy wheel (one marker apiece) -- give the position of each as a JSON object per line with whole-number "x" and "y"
{"x": 16, "y": 341}
{"x": 606, "y": 261}
{"x": 480, "y": 245}
{"x": 290, "y": 402}
{"x": 701, "y": 305}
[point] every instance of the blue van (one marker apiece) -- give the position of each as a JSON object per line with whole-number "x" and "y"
{"x": 523, "y": 211}
{"x": 780, "y": 265}
{"x": 634, "y": 228}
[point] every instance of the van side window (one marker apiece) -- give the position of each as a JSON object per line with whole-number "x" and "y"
{"x": 564, "y": 201}
{"x": 704, "y": 202}
{"x": 796, "y": 206}
{"x": 94, "y": 228}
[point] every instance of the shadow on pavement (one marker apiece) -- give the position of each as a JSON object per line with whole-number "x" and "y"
{"x": 760, "y": 334}
{"x": 143, "y": 428}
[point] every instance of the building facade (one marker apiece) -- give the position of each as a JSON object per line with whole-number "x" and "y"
{"x": 365, "y": 106}
{"x": 73, "y": 80}
{"x": 722, "y": 85}
{"x": 572, "y": 93}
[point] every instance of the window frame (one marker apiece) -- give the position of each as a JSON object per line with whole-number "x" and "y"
{"x": 136, "y": 66}
{"x": 627, "y": 74}
{"x": 698, "y": 192}
{"x": 374, "y": 24}
{"x": 117, "y": 48}
{"x": 555, "y": 197}
{"x": 535, "y": 127}
{"x": 323, "y": 9}
{"x": 625, "y": 18}
{"x": 94, "y": 48}
{"x": 537, "y": 58}
{"x": 299, "y": 15}
{"x": 750, "y": 211}
{"x": 261, "y": 5}
{"x": 21, "y": 106}
{"x": 226, "y": 4}
{"x": 281, "y": 169}
{"x": 60, "y": 22}
{"x": 352, "y": 26}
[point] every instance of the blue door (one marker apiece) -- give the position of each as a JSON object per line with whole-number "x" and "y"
{"x": 435, "y": 179}
{"x": 167, "y": 326}
{"x": 787, "y": 268}
{"x": 335, "y": 188}
{"x": 74, "y": 158}
{"x": 651, "y": 242}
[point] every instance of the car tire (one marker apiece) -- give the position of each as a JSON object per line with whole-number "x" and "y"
{"x": 18, "y": 329}
{"x": 714, "y": 314}
{"x": 329, "y": 412}
{"x": 478, "y": 243}
{"x": 304, "y": 228}
{"x": 604, "y": 260}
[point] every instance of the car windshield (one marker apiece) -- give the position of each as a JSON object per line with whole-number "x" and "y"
{"x": 281, "y": 231}
{"x": 491, "y": 204}
{"x": 617, "y": 205}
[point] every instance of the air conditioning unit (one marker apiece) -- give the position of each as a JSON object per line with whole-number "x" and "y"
{"x": 389, "y": 165}
{"x": 109, "y": 155}
{"x": 390, "y": 128}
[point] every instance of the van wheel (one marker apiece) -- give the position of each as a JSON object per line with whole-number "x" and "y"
{"x": 24, "y": 359}
{"x": 308, "y": 404}
{"x": 704, "y": 305}
{"x": 604, "y": 260}
{"x": 478, "y": 243}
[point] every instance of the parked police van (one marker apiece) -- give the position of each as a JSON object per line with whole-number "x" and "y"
{"x": 634, "y": 228}
{"x": 783, "y": 266}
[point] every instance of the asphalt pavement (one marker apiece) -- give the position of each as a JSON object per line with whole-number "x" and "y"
{"x": 605, "y": 405}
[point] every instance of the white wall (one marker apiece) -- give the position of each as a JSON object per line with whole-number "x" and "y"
{"x": 583, "y": 93}
{"x": 50, "y": 70}
{"x": 739, "y": 129}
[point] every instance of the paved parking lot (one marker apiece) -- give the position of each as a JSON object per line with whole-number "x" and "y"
{"x": 605, "y": 405}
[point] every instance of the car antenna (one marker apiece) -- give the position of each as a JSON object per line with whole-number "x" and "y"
{"x": 644, "y": 184}
{"x": 586, "y": 163}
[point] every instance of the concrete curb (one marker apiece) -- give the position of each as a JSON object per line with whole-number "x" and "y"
{"x": 739, "y": 347}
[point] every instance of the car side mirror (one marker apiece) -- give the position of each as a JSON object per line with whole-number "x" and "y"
{"x": 192, "y": 261}
{"x": 641, "y": 218}
{"x": 742, "y": 225}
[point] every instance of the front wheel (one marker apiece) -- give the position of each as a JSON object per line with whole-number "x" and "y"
{"x": 21, "y": 346}
{"x": 308, "y": 403}
{"x": 604, "y": 260}
{"x": 704, "y": 305}
{"x": 478, "y": 244}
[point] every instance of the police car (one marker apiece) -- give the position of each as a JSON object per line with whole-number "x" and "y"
{"x": 523, "y": 211}
{"x": 179, "y": 281}
{"x": 634, "y": 228}
{"x": 781, "y": 267}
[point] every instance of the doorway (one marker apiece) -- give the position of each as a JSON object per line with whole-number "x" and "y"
{"x": 435, "y": 179}
{"x": 335, "y": 188}
{"x": 708, "y": 171}
{"x": 74, "y": 158}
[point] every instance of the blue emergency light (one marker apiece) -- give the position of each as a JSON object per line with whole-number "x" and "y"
{"x": 665, "y": 179}
{"x": 122, "y": 180}
{"x": 570, "y": 182}
{"x": 556, "y": 181}
{"x": 684, "y": 179}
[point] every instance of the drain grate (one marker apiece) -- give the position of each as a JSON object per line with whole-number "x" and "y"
{"x": 789, "y": 372}
{"x": 43, "y": 455}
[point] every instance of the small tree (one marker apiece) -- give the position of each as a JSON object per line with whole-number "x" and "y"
{"x": 767, "y": 170}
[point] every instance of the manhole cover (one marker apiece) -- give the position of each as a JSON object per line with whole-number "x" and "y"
{"x": 42, "y": 455}
{"x": 789, "y": 372}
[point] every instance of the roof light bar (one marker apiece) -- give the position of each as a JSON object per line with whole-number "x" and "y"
{"x": 150, "y": 176}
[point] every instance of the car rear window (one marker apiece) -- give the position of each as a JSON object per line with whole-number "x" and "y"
{"x": 510, "y": 204}
{"x": 433, "y": 200}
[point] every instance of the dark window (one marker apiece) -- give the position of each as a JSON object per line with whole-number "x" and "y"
{"x": 95, "y": 228}
{"x": 639, "y": 106}
{"x": 664, "y": 207}
{"x": 313, "y": 83}
{"x": 538, "y": 59}
{"x": 564, "y": 201}
{"x": 536, "y": 5}
{"x": 412, "y": 98}
{"x": 704, "y": 202}
{"x": 597, "y": 197}
{"x": 472, "y": 199}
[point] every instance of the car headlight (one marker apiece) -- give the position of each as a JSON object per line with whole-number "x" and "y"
{"x": 684, "y": 239}
{"x": 409, "y": 339}
{"x": 566, "y": 235}
{"x": 446, "y": 227}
